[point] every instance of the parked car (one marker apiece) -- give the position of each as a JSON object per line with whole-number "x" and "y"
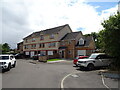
{"x": 78, "y": 57}
{"x": 95, "y": 60}
{"x": 7, "y": 62}
{"x": 36, "y": 57}
{"x": 21, "y": 56}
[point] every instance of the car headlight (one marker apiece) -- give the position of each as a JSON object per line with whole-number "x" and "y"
{"x": 82, "y": 61}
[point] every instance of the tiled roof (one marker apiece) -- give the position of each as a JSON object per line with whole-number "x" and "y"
{"x": 48, "y": 31}
{"x": 87, "y": 40}
{"x": 71, "y": 35}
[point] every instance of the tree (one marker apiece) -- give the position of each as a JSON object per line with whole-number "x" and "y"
{"x": 95, "y": 37}
{"x": 110, "y": 37}
{"x": 5, "y": 48}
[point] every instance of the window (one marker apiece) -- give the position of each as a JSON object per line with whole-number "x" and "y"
{"x": 33, "y": 46}
{"x": 62, "y": 43}
{"x": 33, "y": 39}
{"x": 43, "y": 52}
{"x": 69, "y": 42}
{"x": 26, "y": 40}
{"x": 50, "y": 52}
{"x": 69, "y": 52}
{"x": 26, "y": 46}
{"x": 51, "y": 36}
{"x": 42, "y": 45}
{"x": 41, "y": 37}
{"x": 52, "y": 44}
{"x": 26, "y": 53}
{"x": 81, "y": 42}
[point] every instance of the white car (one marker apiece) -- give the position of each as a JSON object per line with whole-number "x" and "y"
{"x": 95, "y": 60}
{"x": 7, "y": 62}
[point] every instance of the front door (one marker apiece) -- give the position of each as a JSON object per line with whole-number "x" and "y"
{"x": 32, "y": 53}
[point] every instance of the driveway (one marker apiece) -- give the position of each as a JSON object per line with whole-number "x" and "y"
{"x": 52, "y": 75}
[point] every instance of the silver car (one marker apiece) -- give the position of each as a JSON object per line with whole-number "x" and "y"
{"x": 95, "y": 60}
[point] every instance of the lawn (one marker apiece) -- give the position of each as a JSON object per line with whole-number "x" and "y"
{"x": 53, "y": 59}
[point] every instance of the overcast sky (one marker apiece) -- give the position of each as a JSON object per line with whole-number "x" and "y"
{"x": 20, "y": 18}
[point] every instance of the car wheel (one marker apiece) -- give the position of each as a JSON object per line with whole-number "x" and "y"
{"x": 90, "y": 67}
{"x": 9, "y": 67}
{"x": 14, "y": 64}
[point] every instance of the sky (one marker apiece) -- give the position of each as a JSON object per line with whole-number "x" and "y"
{"x": 19, "y": 18}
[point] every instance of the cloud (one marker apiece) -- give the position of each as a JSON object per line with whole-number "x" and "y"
{"x": 22, "y": 17}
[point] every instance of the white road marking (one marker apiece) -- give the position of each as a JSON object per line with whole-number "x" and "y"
{"x": 62, "y": 86}
{"x": 103, "y": 81}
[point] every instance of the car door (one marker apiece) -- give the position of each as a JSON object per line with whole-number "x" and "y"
{"x": 105, "y": 60}
{"x": 98, "y": 60}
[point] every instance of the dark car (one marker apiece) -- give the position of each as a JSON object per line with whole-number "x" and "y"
{"x": 78, "y": 57}
{"x": 19, "y": 56}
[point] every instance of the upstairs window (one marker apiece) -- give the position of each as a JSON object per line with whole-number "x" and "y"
{"x": 26, "y": 40}
{"x": 52, "y": 44}
{"x": 81, "y": 41}
{"x": 42, "y": 45}
{"x": 33, "y": 46}
{"x": 26, "y": 46}
{"x": 51, "y": 36}
{"x": 33, "y": 39}
{"x": 41, "y": 37}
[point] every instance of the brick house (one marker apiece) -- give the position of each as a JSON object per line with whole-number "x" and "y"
{"x": 45, "y": 42}
{"x": 59, "y": 41}
{"x": 20, "y": 47}
{"x": 74, "y": 44}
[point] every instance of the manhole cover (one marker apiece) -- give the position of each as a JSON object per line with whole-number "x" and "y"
{"x": 75, "y": 76}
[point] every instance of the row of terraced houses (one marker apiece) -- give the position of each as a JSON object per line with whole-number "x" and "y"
{"x": 59, "y": 42}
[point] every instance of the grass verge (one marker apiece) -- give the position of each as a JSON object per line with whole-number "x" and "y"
{"x": 53, "y": 60}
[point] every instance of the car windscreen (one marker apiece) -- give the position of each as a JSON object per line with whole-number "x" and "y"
{"x": 4, "y": 57}
{"x": 77, "y": 58}
{"x": 93, "y": 56}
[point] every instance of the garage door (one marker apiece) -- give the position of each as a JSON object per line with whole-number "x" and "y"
{"x": 81, "y": 52}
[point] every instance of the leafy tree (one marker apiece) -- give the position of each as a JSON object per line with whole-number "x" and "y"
{"x": 110, "y": 37}
{"x": 5, "y": 48}
{"x": 95, "y": 37}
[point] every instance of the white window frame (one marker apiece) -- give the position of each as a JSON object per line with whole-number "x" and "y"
{"x": 50, "y": 52}
{"x": 81, "y": 41}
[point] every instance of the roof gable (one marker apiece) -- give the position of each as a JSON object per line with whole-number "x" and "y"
{"x": 87, "y": 40}
{"x": 71, "y": 36}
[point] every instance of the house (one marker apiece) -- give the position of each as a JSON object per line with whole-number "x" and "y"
{"x": 45, "y": 42}
{"x": 74, "y": 44}
{"x": 20, "y": 47}
{"x": 58, "y": 42}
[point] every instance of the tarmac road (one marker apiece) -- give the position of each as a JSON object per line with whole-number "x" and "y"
{"x": 50, "y": 75}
